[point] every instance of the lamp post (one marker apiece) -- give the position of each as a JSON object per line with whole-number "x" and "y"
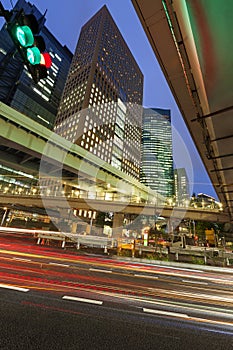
{"x": 4, "y": 215}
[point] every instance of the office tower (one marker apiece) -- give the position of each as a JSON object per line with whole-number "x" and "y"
{"x": 181, "y": 185}
{"x": 101, "y": 104}
{"x": 157, "y": 161}
{"x": 38, "y": 101}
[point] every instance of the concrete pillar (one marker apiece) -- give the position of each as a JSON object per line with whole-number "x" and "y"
{"x": 65, "y": 213}
{"x": 117, "y": 225}
{"x": 74, "y": 227}
{"x": 67, "y": 221}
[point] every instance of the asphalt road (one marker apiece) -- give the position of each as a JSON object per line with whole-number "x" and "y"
{"x": 43, "y": 322}
{"x": 55, "y": 299}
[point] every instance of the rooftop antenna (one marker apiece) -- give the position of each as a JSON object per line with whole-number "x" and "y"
{"x": 42, "y": 18}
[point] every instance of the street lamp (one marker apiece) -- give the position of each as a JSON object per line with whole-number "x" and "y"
{"x": 4, "y": 215}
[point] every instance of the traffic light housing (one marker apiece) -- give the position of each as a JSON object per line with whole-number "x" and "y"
{"x": 24, "y": 31}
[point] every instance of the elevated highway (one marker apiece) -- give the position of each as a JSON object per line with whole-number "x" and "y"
{"x": 55, "y": 205}
{"x": 31, "y": 148}
{"x": 193, "y": 45}
{"x": 36, "y": 151}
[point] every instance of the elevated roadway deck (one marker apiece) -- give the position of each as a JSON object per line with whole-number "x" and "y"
{"x": 59, "y": 203}
{"x": 29, "y": 147}
{"x": 192, "y": 43}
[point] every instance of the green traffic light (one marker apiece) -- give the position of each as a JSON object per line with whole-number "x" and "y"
{"x": 34, "y": 55}
{"x": 24, "y": 36}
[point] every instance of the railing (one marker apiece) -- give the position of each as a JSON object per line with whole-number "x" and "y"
{"x": 113, "y": 198}
{"x": 77, "y": 239}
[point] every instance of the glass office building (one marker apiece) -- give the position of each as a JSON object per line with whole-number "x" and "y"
{"x": 181, "y": 183}
{"x": 157, "y": 160}
{"x": 101, "y": 104}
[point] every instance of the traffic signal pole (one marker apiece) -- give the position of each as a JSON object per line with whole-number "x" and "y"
{"x": 5, "y": 13}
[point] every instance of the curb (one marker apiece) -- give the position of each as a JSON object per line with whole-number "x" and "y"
{"x": 176, "y": 264}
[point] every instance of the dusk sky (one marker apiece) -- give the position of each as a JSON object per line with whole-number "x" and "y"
{"x": 65, "y": 18}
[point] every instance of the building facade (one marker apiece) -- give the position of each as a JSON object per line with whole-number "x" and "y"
{"x": 101, "y": 105}
{"x": 38, "y": 101}
{"x": 156, "y": 156}
{"x": 182, "y": 193}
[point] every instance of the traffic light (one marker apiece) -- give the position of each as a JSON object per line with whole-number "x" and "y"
{"x": 24, "y": 31}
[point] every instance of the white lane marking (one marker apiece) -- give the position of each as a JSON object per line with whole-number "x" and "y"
{"x": 166, "y": 313}
{"x": 191, "y": 307}
{"x": 175, "y": 314}
{"x": 174, "y": 268}
{"x": 57, "y": 264}
{"x": 19, "y": 289}
{"x": 99, "y": 270}
{"x": 22, "y": 259}
{"x": 194, "y": 295}
{"x": 84, "y": 300}
{"x": 180, "y": 268}
{"x": 145, "y": 276}
{"x": 195, "y": 282}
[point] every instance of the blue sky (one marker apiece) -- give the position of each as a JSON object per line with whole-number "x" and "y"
{"x": 65, "y": 19}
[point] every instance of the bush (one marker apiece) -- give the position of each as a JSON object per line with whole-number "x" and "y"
{"x": 198, "y": 261}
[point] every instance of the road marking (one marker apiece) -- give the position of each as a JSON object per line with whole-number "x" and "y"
{"x": 21, "y": 259}
{"x": 174, "y": 268}
{"x": 166, "y": 313}
{"x": 195, "y": 282}
{"x": 145, "y": 276}
{"x": 57, "y": 264}
{"x": 84, "y": 300}
{"x": 19, "y": 289}
{"x": 99, "y": 270}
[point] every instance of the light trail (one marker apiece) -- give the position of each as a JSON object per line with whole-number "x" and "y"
{"x": 116, "y": 264}
{"x": 195, "y": 282}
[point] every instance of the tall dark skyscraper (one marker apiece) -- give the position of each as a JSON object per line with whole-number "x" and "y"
{"x": 101, "y": 104}
{"x": 38, "y": 101}
{"x": 157, "y": 160}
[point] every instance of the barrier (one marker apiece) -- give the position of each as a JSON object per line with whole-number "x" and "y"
{"x": 78, "y": 240}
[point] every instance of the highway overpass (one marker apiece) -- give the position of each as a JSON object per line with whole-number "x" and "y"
{"x": 193, "y": 45}
{"x": 29, "y": 147}
{"x": 25, "y": 145}
{"x": 56, "y": 205}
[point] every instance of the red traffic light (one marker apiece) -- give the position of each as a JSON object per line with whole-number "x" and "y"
{"x": 46, "y": 60}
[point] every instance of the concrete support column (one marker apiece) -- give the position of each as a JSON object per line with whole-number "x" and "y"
{"x": 74, "y": 227}
{"x": 65, "y": 222}
{"x": 117, "y": 225}
{"x": 65, "y": 213}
